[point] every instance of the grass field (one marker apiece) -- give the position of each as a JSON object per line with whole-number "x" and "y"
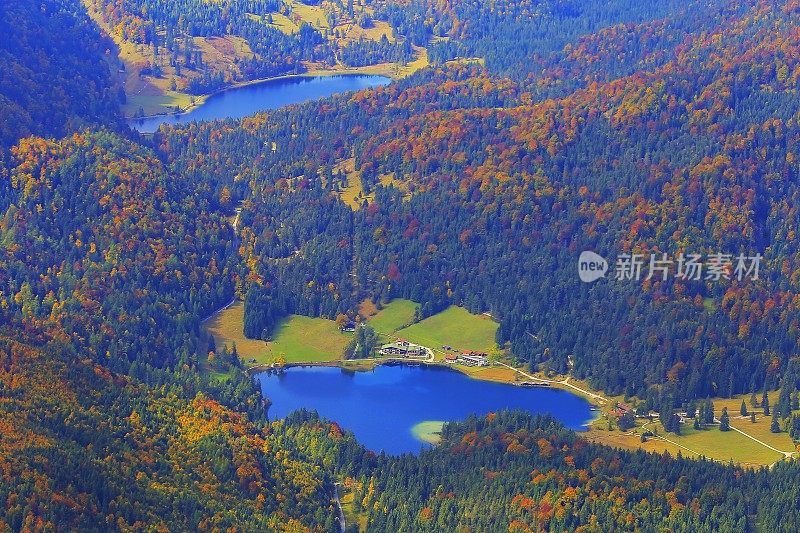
{"x": 499, "y": 374}
{"x": 227, "y": 328}
{"x": 394, "y": 316}
{"x": 299, "y": 339}
{"x": 725, "y": 446}
{"x": 456, "y": 327}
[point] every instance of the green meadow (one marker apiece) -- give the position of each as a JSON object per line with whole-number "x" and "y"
{"x": 456, "y": 327}
{"x": 394, "y": 316}
{"x": 300, "y": 339}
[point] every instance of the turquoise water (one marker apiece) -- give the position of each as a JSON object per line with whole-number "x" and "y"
{"x": 382, "y": 406}
{"x": 271, "y": 94}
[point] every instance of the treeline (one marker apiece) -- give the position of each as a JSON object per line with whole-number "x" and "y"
{"x": 368, "y": 52}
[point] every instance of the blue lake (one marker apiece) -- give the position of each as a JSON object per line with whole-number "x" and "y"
{"x": 240, "y": 102}
{"x": 382, "y": 406}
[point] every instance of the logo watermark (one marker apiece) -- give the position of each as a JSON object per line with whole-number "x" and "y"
{"x": 685, "y": 267}
{"x": 591, "y": 267}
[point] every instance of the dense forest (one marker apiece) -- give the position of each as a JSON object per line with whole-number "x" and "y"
{"x": 617, "y": 127}
{"x": 513, "y": 472}
{"x": 54, "y": 76}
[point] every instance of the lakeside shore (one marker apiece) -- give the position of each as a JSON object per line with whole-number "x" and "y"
{"x": 366, "y": 365}
{"x": 199, "y": 100}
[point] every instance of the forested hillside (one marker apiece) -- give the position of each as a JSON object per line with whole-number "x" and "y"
{"x": 54, "y": 77}
{"x": 617, "y": 127}
{"x": 90, "y": 450}
{"x": 109, "y": 263}
{"x": 496, "y": 188}
{"x": 517, "y": 473}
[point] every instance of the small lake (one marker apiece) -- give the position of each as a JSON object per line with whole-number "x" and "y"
{"x": 240, "y": 102}
{"x": 382, "y": 406}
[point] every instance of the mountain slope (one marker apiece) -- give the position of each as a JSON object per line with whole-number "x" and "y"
{"x": 55, "y": 78}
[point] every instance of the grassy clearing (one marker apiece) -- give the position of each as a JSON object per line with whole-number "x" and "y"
{"x": 759, "y": 430}
{"x": 299, "y": 339}
{"x": 313, "y": 15}
{"x": 350, "y": 514}
{"x": 396, "y": 70}
{"x": 353, "y": 32}
{"x": 456, "y": 327}
{"x": 394, "y": 316}
{"x": 227, "y": 328}
{"x": 429, "y": 431}
{"x": 353, "y": 195}
{"x": 617, "y": 439}
{"x": 725, "y": 446}
{"x": 710, "y": 442}
{"x": 499, "y": 374}
{"x": 279, "y": 21}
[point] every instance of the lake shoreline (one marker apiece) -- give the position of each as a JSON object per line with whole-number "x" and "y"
{"x": 201, "y": 99}
{"x": 363, "y": 365}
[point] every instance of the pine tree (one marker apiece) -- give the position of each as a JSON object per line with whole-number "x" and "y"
{"x": 709, "y": 414}
{"x": 753, "y": 400}
{"x": 724, "y": 420}
{"x": 775, "y": 427}
{"x": 743, "y": 409}
{"x": 765, "y": 404}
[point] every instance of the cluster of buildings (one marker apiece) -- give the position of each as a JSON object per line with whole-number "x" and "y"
{"x": 404, "y": 349}
{"x": 468, "y": 359}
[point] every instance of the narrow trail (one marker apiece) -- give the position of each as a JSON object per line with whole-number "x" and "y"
{"x": 342, "y": 525}
{"x": 218, "y": 311}
{"x": 564, "y": 382}
{"x": 761, "y": 442}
